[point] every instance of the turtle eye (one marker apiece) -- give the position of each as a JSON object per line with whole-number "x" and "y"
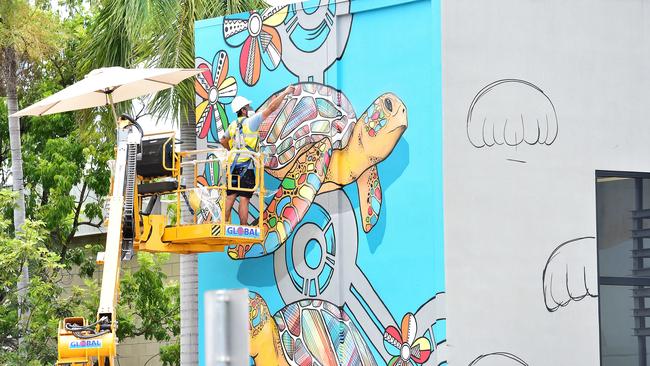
{"x": 388, "y": 104}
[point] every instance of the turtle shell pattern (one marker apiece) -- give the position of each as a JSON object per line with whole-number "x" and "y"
{"x": 318, "y": 333}
{"x": 313, "y": 112}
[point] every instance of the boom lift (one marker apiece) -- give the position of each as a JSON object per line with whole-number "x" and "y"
{"x": 147, "y": 169}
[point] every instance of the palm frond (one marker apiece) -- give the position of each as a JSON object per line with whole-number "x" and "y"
{"x": 171, "y": 44}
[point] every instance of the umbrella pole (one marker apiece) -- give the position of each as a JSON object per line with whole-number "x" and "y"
{"x": 110, "y": 101}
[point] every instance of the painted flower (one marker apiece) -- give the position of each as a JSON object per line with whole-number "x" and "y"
{"x": 403, "y": 346}
{"x": 213, "y": 89}
{"x": 259, "y": 39}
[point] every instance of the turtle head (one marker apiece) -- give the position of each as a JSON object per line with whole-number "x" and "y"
{"x": 380, "y": 127}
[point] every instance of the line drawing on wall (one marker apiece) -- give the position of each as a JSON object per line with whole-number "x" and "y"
{"x": 511, "y": 112}
{"x": 498, "y": 359}
{"x": 569, "y": 274}
{"x": 516, "y": 161}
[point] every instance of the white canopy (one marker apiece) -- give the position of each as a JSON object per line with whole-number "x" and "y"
{"x": 120, "y": 83}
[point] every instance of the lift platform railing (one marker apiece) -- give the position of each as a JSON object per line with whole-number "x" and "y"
{"x": 205, "y": 228}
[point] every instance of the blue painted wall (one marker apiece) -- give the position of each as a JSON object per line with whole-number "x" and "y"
{"x": 384, "y": 46}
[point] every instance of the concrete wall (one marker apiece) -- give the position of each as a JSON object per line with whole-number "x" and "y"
{"x": 366, "y": 257}
{"x": 519, "y": 167}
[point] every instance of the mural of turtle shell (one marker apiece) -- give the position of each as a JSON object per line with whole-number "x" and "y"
{"x": 314, "y": 144}
{"x": 305, "y": 333}
{"x": 313, "y": 112}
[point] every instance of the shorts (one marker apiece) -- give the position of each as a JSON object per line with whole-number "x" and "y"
{"x": 246, "y": 180}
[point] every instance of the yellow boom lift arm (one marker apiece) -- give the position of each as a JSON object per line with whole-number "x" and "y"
{"x": 147, "y": 168}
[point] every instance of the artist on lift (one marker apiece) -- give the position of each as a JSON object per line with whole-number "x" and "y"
{"x": 242, "y": 133}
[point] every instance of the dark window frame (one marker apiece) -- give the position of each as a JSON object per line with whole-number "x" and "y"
{"x": 614, "y": 280}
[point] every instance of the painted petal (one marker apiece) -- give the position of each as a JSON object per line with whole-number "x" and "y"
{"x": 249, "y": 61}
{"x": 271, "y": 47}
{"x": 201, "y": 181}
{"x": 392, "y": 341}
{"x": 220, "y": 123}
{"x": 408, "y": 328}
{"x": 227, "y": 90}
{"x": 274, "y": 16}
{"x": 220, "y": 67}
{"x": 201, "y": 114}
{"x": 204, "y": 121}
{"x": 420, "y": 350}
{"x": 203, "y": 81}
{"x": 235, "y": 31}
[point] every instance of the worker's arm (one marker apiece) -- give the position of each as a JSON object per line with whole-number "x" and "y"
{"x": 225, "y": 139}
{"x": 275, "y": 102}
{"x": 225, "y": 142}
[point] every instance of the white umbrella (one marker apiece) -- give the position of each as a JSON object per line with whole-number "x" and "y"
{"x": 107, "y": 86}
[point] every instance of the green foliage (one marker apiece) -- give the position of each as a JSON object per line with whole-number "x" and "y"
{"x": 44, "y": 295}
{"x": 158, "y": 33}
{"x": 32, "y": 32}
{"x": 5, "y": 157}
{"x": 149, "y": 302}
{"x": 65, "y": 168}
{"x": 170, "y": 355}
{"x": 148, "y": 305}
{"x": 66, "y": 176}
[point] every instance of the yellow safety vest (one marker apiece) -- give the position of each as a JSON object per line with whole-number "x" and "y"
{"x": 242, "y": 137}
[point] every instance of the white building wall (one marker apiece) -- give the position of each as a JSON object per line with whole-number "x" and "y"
{"x": 507, "y": 208}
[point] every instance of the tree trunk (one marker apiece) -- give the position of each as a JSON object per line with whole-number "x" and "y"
{"x": 189, "y": 271}
{"x": 10, "y": 71}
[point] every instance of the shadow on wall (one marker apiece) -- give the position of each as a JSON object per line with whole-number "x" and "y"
{"x": 248, "y": 273}
{"x": 388, "y": 177}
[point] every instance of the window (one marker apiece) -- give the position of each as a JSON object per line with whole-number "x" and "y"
{"x": 623, "y": 234}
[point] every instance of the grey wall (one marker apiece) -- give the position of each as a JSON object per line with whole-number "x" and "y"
{"x": 504, "y": 218}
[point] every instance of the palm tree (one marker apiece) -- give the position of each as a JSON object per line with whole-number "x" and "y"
{"x": 25, "y": 34}
{"x": 161, "y": 34}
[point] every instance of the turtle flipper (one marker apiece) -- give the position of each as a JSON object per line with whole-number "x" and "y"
{"x": 369, "y": 197}
{"x": 291, "y": 202}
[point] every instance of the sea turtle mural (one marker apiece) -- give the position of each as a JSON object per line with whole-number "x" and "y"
{"x": 305, "y": 333}
{"x": 314, "y": 144}
{"x": 320, "y": 262}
